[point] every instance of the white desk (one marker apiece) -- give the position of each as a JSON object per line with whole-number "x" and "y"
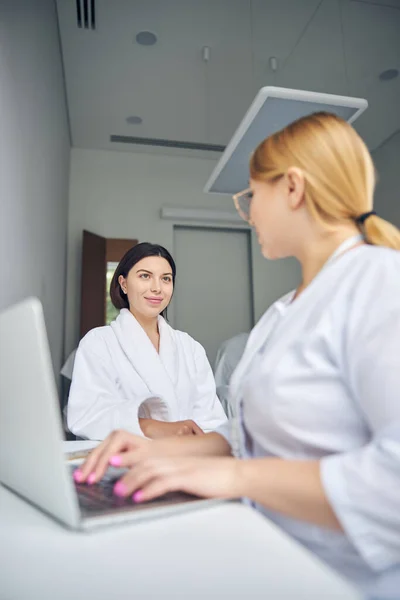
{"x": 227, "y": 551}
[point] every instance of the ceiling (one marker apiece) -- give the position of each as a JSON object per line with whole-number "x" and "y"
{"x": 334, "y": 46}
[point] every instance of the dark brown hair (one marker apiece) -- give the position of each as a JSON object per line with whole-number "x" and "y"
{"x": 133, "y": 256}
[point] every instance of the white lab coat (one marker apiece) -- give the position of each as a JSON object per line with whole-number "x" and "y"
{"x": 119, "y": 376}
{"x": 320, "y": 380}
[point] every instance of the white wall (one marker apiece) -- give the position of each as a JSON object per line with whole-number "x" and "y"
{"x": 34, "y": 163}
{"x": 387, "y": 162}
{"x": 118, "y": 194}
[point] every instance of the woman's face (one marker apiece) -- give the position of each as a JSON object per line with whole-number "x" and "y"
{"x": 273, "y": 214}
{"x": 149, "y": 286}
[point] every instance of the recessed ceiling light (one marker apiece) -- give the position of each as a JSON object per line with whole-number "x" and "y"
{"x": 146, "y": 38}
{"x": 134, "y": 120}
{"x": 388, "y": 74}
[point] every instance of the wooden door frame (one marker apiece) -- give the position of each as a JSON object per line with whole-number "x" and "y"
{"x": 97, "y": 251}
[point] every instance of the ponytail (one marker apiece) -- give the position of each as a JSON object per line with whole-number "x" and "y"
{"x": 379, "y": 232}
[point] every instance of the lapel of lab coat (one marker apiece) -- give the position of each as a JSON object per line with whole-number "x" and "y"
{"x": 280, "y": 327}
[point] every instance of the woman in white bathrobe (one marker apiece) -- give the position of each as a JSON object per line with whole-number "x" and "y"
{"x": 138, "y": 373}
{"x": 316, "y": 447}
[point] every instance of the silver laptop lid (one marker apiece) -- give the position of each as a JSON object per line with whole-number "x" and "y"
{"x": 273, "y": 108}
{"x": 31, "y": 457}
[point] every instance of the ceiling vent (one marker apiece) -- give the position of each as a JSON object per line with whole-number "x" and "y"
{"x": 86, "y": 14}
{"x": 126, "y": 139}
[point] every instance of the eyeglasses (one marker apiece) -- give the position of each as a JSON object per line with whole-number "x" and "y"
{"x": 242, "y": 202}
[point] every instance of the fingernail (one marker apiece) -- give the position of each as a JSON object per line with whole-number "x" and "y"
{"x": 92, "y": 478}
{"x": 78, "y": 476}
{"x": 120, "y": 489}
{"x": 137, "y": 496}
{"x": 115, "y": 461}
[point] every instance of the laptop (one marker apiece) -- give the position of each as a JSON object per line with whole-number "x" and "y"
{"x": 32, "y": 461}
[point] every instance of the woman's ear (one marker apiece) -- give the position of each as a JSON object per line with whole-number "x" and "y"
{"x": 296, "y": 187}
{"x": 122, "y": 283}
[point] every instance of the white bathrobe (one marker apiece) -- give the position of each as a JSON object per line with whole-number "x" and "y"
{"x": 119, "y": 376}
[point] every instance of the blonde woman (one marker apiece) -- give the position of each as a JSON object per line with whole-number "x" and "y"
{"x": 317, "y": 448}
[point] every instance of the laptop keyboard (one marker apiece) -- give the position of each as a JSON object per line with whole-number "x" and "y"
{"x": 100, "y": 497}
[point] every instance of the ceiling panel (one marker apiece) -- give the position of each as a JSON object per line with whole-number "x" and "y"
{"x": 387, "y": 3}
{"x": 277, "y": 27}
{"x": 317, "y": 62}
{"x": 372, "y": 45}
{"x": 228, "y": 74}
{"x": 110, "y": 76}
{"x": 334, "y": 46}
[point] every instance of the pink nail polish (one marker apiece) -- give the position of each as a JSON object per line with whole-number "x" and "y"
{"x": 120, "y": 489}
{"x": 115, "y": 461}
{"x": 78, "y": 476}
{"x": 138, "y": 496}
{"x": 92, "y": 478}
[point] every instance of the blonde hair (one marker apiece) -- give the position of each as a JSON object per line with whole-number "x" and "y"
{"x": 338, "y": 170}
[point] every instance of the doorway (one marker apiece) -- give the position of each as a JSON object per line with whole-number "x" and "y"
{"x": 213, "y": 298}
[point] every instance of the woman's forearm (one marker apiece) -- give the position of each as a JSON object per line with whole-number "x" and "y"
{"x": 209, "y": 444}
{"x": 290, "y": 487}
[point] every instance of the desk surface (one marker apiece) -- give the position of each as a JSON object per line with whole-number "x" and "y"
{"x": 227, "y": 551}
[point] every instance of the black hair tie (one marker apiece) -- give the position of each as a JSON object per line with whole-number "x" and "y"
{"x": 362, "y": 218}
